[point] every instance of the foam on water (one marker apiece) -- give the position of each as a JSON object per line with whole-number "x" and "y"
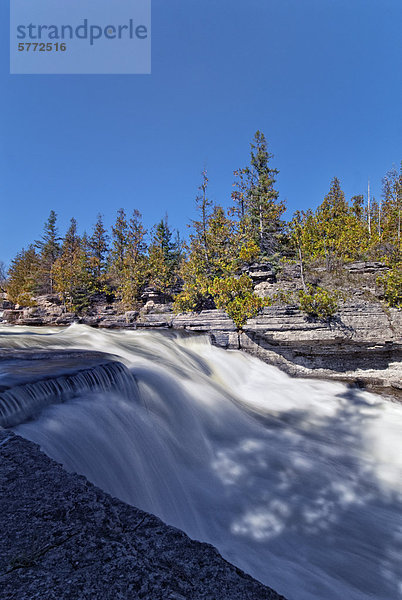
{"x": 297, "y": 482}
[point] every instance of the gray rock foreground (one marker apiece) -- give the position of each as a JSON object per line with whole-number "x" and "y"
{"x": 63, "y": 538}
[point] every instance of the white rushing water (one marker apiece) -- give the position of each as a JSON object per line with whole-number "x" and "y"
{"x": 297, "y": 482}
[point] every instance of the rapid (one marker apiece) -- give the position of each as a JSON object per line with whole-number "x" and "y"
{"x": 297, "y": 482}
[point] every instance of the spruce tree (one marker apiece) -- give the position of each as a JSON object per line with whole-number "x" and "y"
{"x": 119, "y": 242}
{"x": 98, "y": 248}
{"x": 163, "y": 258}
{"x": 256, "y": 203}
{"x": 264, "y": 209}
{"x": 71, "y": 241}
{"x": 49, "y": 248}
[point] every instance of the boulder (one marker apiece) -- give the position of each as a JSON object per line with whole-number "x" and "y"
{"x": 260, "y": 272}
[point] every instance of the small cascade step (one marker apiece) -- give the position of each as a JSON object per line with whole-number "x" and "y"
{"x": 18, "y": 403}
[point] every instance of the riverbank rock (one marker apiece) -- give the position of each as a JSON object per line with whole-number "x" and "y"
{"x": 361, "y": 345}
{"x": 65, "y": 539}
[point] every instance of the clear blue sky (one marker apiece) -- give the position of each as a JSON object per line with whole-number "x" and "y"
{"x": 321, "y": 78}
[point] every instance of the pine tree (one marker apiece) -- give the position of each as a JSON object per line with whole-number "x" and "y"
{"x": 240, "y": 194}
{"x": 336, "y": 231}
{"x": 331, "y": 216}
{"x": 221, "y": 242}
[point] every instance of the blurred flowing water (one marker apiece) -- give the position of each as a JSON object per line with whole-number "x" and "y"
{"x": 297, "y": 482}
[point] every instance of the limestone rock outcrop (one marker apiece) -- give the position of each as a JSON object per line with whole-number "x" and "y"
{"x": 362, "y": 345}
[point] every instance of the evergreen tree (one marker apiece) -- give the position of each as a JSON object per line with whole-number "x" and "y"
{"x": 119, "y": 242}
{"x": 163, "y": 258}
{"x": 98, "y": 248}
{"x": 335, "y": 231}
{"x": 23, "y": 277}
{"x": 198, "y": 271}
{"x": 134, "y": 273}
{"x": 221, "y": 243}
{"x": 392, "y": 205}
{"x": 358, "y": 206}
{"x": 240, "y": 198}
{"x": 203, "y": 205}
{"x": 49, "y": 248}
{"x": 212, "y": 264}
{"x": 331, "y": 216}
{"x": 136, "y": 247}
{"x": 263, "y": 210}
{"x": 71, "y": 241}
{"x": 72, "y": 272}
{"x": 3, "y": 276}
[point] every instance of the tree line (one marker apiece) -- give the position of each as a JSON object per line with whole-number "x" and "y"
{"x": 210, "y": 268}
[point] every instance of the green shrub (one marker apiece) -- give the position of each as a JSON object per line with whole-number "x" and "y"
{"x": 284, "y": 297}
{"x": 193, "y": 296}
{"x": 392, "y": 285}
{"x": 24, "y": 299}
{"x": 235, "y": 295}
{"x": 318, "y": 302}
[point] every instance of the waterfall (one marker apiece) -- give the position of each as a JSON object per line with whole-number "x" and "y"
{"x": 297, "y": 482}
{"x": 22, "y": 402}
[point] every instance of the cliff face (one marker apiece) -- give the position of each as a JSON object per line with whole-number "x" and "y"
{"x": 63, "y": 538}
{"x": 362, "y": 344}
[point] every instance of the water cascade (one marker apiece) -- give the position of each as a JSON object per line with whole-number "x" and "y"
{"x": 297, "y": 482}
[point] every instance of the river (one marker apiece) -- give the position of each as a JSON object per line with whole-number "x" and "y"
{"x": 297, "y": 482}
